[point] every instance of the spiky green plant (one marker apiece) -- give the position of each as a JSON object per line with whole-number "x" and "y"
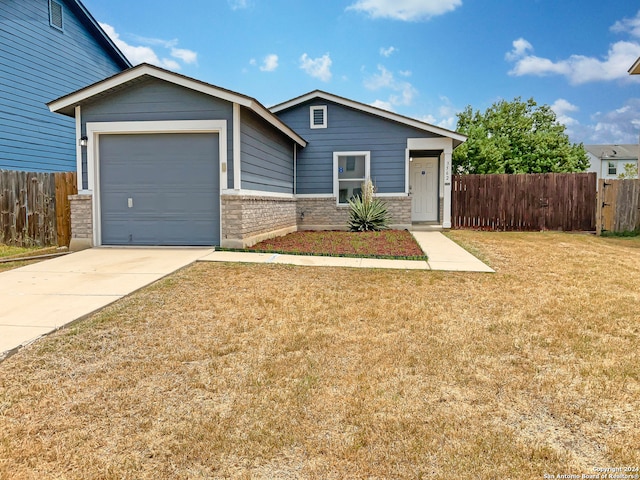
{"x": 367, "y": 213}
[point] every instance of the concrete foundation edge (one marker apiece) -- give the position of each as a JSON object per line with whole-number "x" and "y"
{"x": 77, "y": 244}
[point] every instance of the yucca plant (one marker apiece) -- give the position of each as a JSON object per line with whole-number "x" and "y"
{"x": 367, "y": 213}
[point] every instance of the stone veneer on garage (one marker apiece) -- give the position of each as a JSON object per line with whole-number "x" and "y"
{"x": 81, "y": 221}
{"x": 247, "y": 220}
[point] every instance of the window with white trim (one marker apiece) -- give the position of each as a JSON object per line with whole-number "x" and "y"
{"x": 350, "y": 170}
{"x": 55, "y": 15}
{"x": 318, "y": 117}
{"x": 613, "y": 168}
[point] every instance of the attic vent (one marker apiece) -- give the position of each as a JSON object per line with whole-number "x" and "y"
{"x": 318, "y": 117}
{"x": 55, "y": 14}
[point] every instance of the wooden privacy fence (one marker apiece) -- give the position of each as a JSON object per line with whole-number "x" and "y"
{"x": 34, "y": 208}
{"x": 546, "y": 201}
{"x": 618, "y": 206}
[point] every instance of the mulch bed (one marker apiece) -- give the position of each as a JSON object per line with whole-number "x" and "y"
{"x": 384, "y": 244}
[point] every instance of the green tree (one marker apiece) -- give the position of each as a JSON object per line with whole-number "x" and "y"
{"x": 630, "y": 171}
{"x": 516, "y": 137}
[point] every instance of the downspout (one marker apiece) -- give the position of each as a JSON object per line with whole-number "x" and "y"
{"x": 295, "y": 168}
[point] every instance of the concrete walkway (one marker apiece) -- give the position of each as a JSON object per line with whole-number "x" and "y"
{"x": 40, "y": 298}
{"x": 443, "y": 253}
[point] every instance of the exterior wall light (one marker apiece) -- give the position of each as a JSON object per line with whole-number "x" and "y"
{"x": 84, "y": 141}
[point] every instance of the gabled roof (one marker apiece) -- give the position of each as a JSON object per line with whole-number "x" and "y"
{"x": 614, "y": 152}
{"x": 66, "y": 105}
{"x": 635, "y": 68}
{"x": 99, "y": 34}
{"x": 458, "y": 138}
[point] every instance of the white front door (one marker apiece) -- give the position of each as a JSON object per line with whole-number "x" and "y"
{"x": 423, "y": 186}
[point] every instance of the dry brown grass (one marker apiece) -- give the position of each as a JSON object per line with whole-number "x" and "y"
{"x": 270, "y": 371}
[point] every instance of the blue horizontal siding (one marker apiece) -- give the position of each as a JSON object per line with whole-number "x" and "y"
{"x": 349, "y": 130}
{"x": 266, "y": 156}
{"x": 39, "y": 63}
{"x": 151, "y": 99}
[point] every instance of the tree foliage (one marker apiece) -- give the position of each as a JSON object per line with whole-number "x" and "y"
{"x": 516, "y": 137}
{"x": 630, "y": 171}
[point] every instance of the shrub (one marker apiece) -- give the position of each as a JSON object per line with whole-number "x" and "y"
{"x": 367, "y": 213}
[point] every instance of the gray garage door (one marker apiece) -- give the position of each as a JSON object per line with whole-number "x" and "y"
{"x": 159, "y": 189}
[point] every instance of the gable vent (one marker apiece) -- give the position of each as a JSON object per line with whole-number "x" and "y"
{"x": 318, "y": 117}
{"x": 55, "y": 14}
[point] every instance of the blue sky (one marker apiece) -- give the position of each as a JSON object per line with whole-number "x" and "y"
{"x": 427, "y": 59}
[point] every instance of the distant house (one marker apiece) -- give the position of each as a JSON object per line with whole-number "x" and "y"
{"x": 47, "y": 48}
{"x": 608, "y": 161}
{"x": 171, "y": 160}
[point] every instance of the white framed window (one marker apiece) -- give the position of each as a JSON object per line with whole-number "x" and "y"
{"x": 350, "y": 169}
{"x": 318, "y": 116}
{"x": 612, "y": 168}
{"x": 55, "y": 15}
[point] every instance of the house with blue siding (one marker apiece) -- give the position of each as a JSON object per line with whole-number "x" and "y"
{"x": 47, "y": 48}
{"x": 169, "y": 160}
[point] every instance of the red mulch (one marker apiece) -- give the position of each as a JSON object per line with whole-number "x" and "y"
{"x": 386, "y": 243}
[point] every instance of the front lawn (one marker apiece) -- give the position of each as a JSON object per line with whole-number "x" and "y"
{"x": 274, "y": 371}
{"x": 383, "y": 244}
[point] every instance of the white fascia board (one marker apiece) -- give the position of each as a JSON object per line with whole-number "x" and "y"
{"x": 372, "y": 110}
{"x": 141, "y": 70}
{"x": 136, "y": 72}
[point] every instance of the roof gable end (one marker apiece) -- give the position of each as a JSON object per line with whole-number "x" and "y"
{"x": 412, "y": 122}
{"x": 67, "y": 103}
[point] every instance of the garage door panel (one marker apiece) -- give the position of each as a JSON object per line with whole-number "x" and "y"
{"x": 172, "y": 181}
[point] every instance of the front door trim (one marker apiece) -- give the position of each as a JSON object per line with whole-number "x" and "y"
{"x": 419, "y": 195}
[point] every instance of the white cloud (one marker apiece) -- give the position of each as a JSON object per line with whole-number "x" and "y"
{"x": 238, "y": 4}
{"x": 317, "y": 67}
{"x": 562, "y": 108}
{"x": 520, "y": 49}
{"x": 383, "y": 105}
{"x": 447, "y": 115}
{"x": 620, "y": 125}
{"x": 617, "y": 126}
{"x": 146, "y": 54}
{"x": 270, "y": 63}
{"x": 403, "y": 92}
{"x": 578, "y": 69}
{"x": 405, "y": 10}
{"x": 628, "y": 25}
{"x": 187, "y": 56}
{"x": 387, "y": 52}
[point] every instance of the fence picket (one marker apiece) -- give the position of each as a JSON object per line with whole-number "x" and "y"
{"x": 550, "y": 201}
{"x": 34, "y": 208}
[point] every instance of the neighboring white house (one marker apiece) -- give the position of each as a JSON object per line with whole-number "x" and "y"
{"x": 608, "y": 161}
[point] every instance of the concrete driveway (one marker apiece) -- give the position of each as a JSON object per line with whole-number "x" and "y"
{"x": 42, "y": 297}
